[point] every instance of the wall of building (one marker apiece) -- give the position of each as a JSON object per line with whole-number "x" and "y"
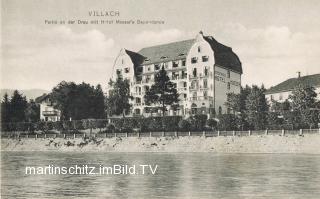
{"x": 200, "y": 94}
{"x": 45, "y": 108}
{"x": 226, "y": 81}
{"x": 282, "y": 96}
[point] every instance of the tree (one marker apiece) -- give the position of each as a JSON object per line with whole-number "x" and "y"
{"x": 256, "y": 108}
{"x": 32, "y": 112}
{"x": 227, "y": 122}
{"x": 118, "y": 100}
{"x": 5, "y": 109}
{"x": 304, "y": 103}
{"x": 233, "y": 102}
{"x": 77, "y": 102}
{"x": 162, "y": 92}
{"x": 18, "y": 105}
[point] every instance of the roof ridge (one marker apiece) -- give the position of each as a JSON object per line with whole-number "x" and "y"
{"x": 170, "y": 43}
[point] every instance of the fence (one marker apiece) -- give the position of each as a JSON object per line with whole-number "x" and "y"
{"x": 162, "y": 134}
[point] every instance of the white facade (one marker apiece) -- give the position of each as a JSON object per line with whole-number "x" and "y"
{"x": 284, "y": 95}
{"x": 202, "y": 83}
{"x": 48, "y": 112}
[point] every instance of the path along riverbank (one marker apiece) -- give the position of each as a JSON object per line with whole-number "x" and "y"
{"x": 309, "y": 144}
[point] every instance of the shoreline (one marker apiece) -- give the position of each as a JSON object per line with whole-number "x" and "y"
{"x": 306, "y": 144}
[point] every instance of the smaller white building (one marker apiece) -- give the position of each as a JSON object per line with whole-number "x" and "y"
{"x": 282, "y": 91}
{"x": 47, "y": 111}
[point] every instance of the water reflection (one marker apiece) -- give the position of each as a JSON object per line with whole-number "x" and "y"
{"x": 179, "y": 175}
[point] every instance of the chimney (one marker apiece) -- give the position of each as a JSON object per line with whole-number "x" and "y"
{"x": 299, "y": 74}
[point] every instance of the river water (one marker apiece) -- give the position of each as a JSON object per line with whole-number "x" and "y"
{"x": 178, "y": 175}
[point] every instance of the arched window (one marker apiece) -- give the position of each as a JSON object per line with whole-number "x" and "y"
{"x": 220, "y": 110}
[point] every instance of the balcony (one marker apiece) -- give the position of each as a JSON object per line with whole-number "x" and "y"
{"x": 201, "y": 98}
{"x": 49, "y": 113}
{"x": 193, "y": 77}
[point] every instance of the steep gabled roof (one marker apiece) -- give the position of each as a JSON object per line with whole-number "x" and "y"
{"x": 223, "y": 55}
{"x": 136, "y": 59}
{"x": 42, "y": 98}
{"x": 290, "y": 84}
{"x": 166, "y": 52}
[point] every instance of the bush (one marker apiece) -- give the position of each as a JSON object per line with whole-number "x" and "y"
{"x": 184, "y": 125}
{"x": 110, "y": 128}
{"x": 171, "y": 123}
{"x": 198, "y": 122}
{"x": 227, "y": 122}
{"x": 212, "y": 123}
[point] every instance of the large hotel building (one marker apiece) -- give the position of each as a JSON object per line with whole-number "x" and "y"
{"x": 203, "y": 70}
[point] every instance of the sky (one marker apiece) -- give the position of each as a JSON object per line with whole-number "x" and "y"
{"x": 274, "y": 39}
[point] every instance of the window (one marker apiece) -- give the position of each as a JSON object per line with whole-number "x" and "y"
{"x": 194, "y": 84}
{"x": 184, "y": 84}
{"x": 205, "y": 83}
{"x": 228, "y": 74}
{"x": 220, "y": 110}
{"x": 148, "y": 68}
{"x": 166, "y": 65}
{"x": 148, "y": 79}
{"x": 183, "y": 62}
{"x": 122, "y": 61}
{"x": 205, "y": 58}
{"x": 175, "y": 64}
{"x": 118, "y": 72}
{"x": 138, "y": 100}
{"x": 183, "y": 74}
{"x": 185, "y": 96}
{"x": 146, "y": 88}
{"x": 137, "y": 111}
{"x": 205, "y": 94}
{"x": 126, "y": 70}
{"x": 199, "y": 49}
{"x": 205, "y": 71}
{"x": 194, "y": 72}
{"x": 156, "y": 66}
{"x": 271, "y": 97}
{"x": 194, "y": 60}
{"x": 194, "y": 95}
{"x": 228, "y": 86}
{"x": 175, "y": 76}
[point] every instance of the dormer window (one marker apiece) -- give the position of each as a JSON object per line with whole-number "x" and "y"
{"x": 147, "y": 59}
{"x": 199, "y": 49}
{"x": 118, "y": 72}
{"x": 194, "y": 60}
{"x": 183, "y": 62}
{"x": 181, "y": 54}
{"x": 175, "y": 64}
{"x": 163, "y": 57}
{"x": 156, "y": 66}
{"x": 205, "y": 58}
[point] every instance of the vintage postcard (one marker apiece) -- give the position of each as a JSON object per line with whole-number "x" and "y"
{"x": 160, "y": 99}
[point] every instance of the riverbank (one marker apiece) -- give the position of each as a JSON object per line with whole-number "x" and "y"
{"x": 230, "y": 144}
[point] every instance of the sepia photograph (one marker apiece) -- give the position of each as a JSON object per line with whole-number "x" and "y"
{"x": 175, "y": 99}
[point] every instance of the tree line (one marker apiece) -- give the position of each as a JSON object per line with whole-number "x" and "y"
{"x": 18, "y": 109}
{"x": 75, "y": 101}
{"x": 251, "y": 110}
{"x": 247, "y": 110}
